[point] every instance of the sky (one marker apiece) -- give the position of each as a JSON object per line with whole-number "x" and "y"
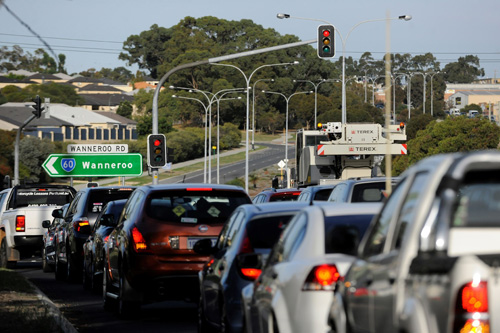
{"x": 91, "y": 32}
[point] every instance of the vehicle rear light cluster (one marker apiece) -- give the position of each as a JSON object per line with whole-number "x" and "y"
{"x": 471, "y": 312}
{"x": 250, "y": 273}
{"x": 322, "y": 277}
{"x": 20, "y": 223}
{"x": 81, "y": 224}
{"x": 139, "y": 243}
{"x": 174, "y": 242}
{"x": 246, "y": 246}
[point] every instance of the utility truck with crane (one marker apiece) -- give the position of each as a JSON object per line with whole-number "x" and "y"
{"x": 337, "y": 151}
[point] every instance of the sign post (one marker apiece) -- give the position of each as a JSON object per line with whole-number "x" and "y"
{"x": 93, "y": 165}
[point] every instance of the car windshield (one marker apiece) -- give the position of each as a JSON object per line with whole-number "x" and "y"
{"x": 343, "y": 233}
{"x": 273, "y": 225}
{"x": 205, "y": 207}
{"x": 43, "y": 197}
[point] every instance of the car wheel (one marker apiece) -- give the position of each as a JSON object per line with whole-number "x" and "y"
{"x": 3, "y": 254}
{"x": 125, "y": 307}
{"x": 95, "y": 279}
{"x": 71, "y": 265}
{"x": 272, "y": 325}
{"x": 107, "y": 302}
{"x": 45, "y": 266}
{"x": 85, "y": 276}
{"x": 203, "y": 325}
{"x": 60, "y": 268}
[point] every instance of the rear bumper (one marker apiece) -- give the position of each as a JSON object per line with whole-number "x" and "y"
{"x": 28, "y": 242}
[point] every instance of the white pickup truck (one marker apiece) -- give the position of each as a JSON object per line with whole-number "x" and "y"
{"x": 22, "y": 209}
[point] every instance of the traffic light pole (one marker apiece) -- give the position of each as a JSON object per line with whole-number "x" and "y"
{"x": 162, "y": 81}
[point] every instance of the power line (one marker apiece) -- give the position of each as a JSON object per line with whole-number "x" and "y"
{"x": 62, "y": 38}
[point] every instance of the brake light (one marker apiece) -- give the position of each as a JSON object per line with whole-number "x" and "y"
{"x": 81, "y": 224}
{"x": 20, "y": 223}
{"x": 471, "y": 312}
{"x": 246, "y": 246}
{"x": 250, "y": 273}
{"x": 199, "y": 189}
{"x": 322, "y": 277}
{"x": 139, "y": 243}
{"x": 106, "y": 238}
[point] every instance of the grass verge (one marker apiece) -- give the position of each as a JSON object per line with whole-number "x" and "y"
{"x": 22, "y": 309}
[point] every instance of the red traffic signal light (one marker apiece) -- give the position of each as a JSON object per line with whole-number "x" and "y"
{"x": 326, "y": 47}
{"x": 157, "y": 150}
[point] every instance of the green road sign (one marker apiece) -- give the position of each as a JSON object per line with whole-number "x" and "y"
{"x": 93, "y": 165}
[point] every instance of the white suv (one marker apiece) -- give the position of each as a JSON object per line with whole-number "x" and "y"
{"x": 430, "y": 261}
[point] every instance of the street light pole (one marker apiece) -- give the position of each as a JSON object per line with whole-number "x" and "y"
{"x": 253, "y": 110}
{"x": 432, "y": 92}
{"x": 401, "y": 17}
{"x": 247, "y": 80}
{"x": 287, "y": 99}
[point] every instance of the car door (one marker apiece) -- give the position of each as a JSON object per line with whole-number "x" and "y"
{"x": 211, "y": 283}
{"x": 361, "y": 275}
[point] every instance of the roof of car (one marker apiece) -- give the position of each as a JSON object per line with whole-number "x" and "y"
{"x": 181, "y": 186}
{"x": 341, "y": 208}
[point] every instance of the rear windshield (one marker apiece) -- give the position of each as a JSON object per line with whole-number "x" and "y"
{"x": 478, "y": 201}
{"x": 343, "y": 233}
{"x": 369, "y": 192}
{"x": 284, "y": 197}
{"x": 202, "y": 207}
{"x": 98, "y": 198}
{"x": 323, "y": 195}
{"x": 273, "y": 226}
{"x": 42, "y": 197}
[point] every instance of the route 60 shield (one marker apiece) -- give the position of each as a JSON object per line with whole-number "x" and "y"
{"x": 68, "y": 164}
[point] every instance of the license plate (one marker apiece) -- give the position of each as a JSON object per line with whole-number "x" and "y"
{"x": 192, "y": 241}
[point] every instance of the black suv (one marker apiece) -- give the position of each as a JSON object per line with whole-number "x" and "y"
{"x": 80, "y": 218}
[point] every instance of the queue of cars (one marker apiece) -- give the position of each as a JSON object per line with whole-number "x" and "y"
{"x": 423, "y": 258}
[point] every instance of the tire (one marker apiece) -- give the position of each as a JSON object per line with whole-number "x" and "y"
{"x": 45, "y": 266}
{"x": 125, "y": 308}
{"x": 95, "y": 280}
{"x": 87, "y": 284}
{"x": 71, "y": 265}
{"x": 3, "y": 254}
{"x": 60, "y": 268}
{"x": 107, "y": 302}
{"x": 203, "y": 325}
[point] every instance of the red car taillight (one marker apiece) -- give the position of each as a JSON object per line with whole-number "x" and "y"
{"x": 471, "y": 311}
{"x": 322, "y": 277}
{"x": 81, "y": 225}
{"x": 246, "y": 246}
{"x": 250, "y": 273}
{"x": 139, "y": 243}
{"x": 20, "y": 222}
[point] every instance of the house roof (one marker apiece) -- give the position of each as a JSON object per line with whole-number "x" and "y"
{"x": 84, "y": 79}
{"x": 63, "y": 76}
{"x": 96, "y": 87}
{"x": 18, "y": 113}
{"x": 479, "y": 92}
{"x": 117, "y": 117}
{"x": 43, "y": 76}
{"x": 105, "y": 99}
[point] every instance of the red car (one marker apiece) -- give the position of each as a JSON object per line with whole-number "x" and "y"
{"x": 272, "y": 194}
{"x": 149, "y": 256}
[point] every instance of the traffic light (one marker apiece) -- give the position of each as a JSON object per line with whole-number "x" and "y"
{"x": 326, "y": 45}
{"x": 157, "y": 150}
{"x": 38, "y": 106}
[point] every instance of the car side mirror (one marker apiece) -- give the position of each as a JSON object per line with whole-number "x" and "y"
{"x": 46, "y": 224}
{"x": 204, "y": 247}
{"x": 108, "y": 220}
{"x": 57, "y": 213}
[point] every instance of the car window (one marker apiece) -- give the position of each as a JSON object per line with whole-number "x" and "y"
{"x": 368, "y": 192}
{"x": 235, "y": 226}
{"x": 294, "y": 238}
{"x": 74, "y": 204}
{"x": 323, "y": 195}
{"x": 273, "y": 225}
{"x": 192, "y": 206}
{"x": 408, "y": 212}
{"x": 98, "y": 198}
{"x": 337, "y": 193}
{"x": 42, "y": 197}
{"x": 221, "y": 243}
{"x": 478, "y": 200}
{"x": 378, "y": 234}
{"x": 131, "y": 207}
{"x": 343, "y": 233}
{"x": 304, "y": 196}
{"x": 258, "y": 198}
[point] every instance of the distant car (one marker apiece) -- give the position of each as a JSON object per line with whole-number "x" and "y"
{"x": 361, "y": 190}
{"x": 80, "y": 218}
{"x": 272, "y": 194}
{"x": 315, "y": 193}
{"x": 93, "y": 254}
{"x": 53, "y": 227}
{"x": 251, "y": 229}
{"x": 315, "y": 251}
{"x": 149, "y": 256}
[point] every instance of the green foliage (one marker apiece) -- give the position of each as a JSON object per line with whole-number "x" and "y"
{"x": 7, "y": 139}
{"x": 454, "y": 134}
{"x": 229, "y": 136}
{"x": 416, "y": 123}
{"x": 34, "y": 152}
{"x": 237, "y": 182}
{"x": 476, "y": 107}
{"x": 58, "y": 93}
{"x": 40, "y": 62}
{"x": 187, "y": 144}
{"x": 125, "y": 109}
{"x": 465, "y": 70}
